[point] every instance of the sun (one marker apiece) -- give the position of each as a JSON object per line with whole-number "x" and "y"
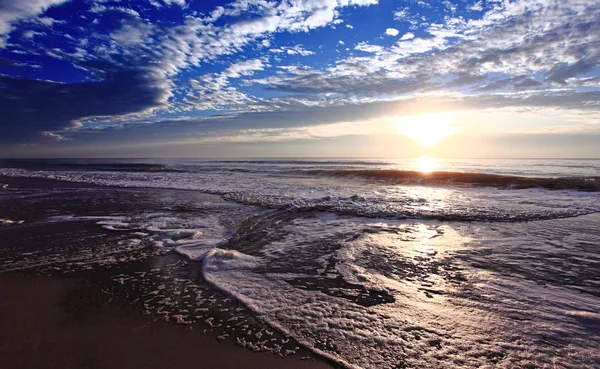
{"x": 426, "y": 129}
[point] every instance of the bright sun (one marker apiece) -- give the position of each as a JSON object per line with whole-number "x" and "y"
{"x": 426, "y": 129}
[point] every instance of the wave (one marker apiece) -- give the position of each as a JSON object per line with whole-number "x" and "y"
{"x": 469, "y": 203}
{"x": 358, "y": 206}
{"x": 56, "y": 165}
{"x": 301, "y": 162}
{"x": 591, "y": 184}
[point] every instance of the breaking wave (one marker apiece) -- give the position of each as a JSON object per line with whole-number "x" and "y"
{"x": 470, "y": 179}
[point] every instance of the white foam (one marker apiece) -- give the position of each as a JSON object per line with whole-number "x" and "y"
{"x": 5, "y": 221}
{"x": 225, "y": 261}
{"x": 164, "y": 230}
{"x": 196, "y": 248}
{"x": 492, "y": 316}
{"x": 350, "y": 195}
{"x": 114, "y": 226}
{"x": 102, "y": 220}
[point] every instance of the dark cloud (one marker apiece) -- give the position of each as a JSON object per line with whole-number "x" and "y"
{"x": 560, "y": 73}
{"x": 30, "y": 107}
{"x": 372, "y": 85}
{"x": 518, "y": 83}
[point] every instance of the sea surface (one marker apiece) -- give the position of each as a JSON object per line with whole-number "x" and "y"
{"x": 372, "y": 263}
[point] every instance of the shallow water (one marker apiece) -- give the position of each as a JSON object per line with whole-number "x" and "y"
{"x": 371, "y": 273}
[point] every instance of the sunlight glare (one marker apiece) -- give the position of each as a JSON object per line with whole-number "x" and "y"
{"x": 426, "y": 164}
{"x": 426, "y": 129}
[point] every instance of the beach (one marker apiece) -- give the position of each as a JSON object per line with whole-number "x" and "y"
{"x": 349, "y": 184}
{"x": 78, "y": 319}
{"x": 290, "y": 264}
{"x": 70, "y": 323}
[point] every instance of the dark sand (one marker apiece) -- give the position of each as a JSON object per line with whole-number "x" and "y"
{"x": 53, "y": 322}
{"x": 70, "y": 322}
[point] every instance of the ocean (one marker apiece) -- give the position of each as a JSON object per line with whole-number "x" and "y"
{"x": 371, "y": 263}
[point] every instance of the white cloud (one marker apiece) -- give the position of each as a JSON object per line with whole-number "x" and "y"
{"x": 178, "y": 2}
{"x": 243, "y": 68}
{"x": 414, "y": 19}
{"x": 407, "y": 36}
{"x": 401, "y": 14}
{"x": 449, "y": 5}
{"x": 155, "y": 3}
{"x": 53, "y": 136}
{"x": 31, "y": 34}
{"x": 13, "y": 10}
{"x": 292, "y": 50}
{"x": 98, "y": 8}
{"x": 369, "y": 48}
{"x": 478, "y": 6}
{"x": 466, "y": 51}
{"x": 392, "y": 32}
{"x": 47, "y": 21}
{"x": 133, "y": 33}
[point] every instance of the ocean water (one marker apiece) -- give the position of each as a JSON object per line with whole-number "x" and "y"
{"x": 375, "y": 263}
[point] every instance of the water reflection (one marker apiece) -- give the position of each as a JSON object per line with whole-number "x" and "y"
{"x": 426, "y": 164}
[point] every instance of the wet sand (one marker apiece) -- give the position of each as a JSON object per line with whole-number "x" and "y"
{"x": 74, "y": 321}
{"x": 54, "y": 322}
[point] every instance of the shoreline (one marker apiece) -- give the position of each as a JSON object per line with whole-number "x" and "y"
{"x": 84, "y": 318}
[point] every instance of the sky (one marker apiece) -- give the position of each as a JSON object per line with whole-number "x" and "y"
{"x": 327, "y": 78}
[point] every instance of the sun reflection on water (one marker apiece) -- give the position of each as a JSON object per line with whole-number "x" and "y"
{"x": 426, "y": 164}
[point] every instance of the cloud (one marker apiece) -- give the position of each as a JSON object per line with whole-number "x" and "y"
{"x": 531, "y": 44}
{"x": 292, "y": 50}
{"x": 52, "y": 136}
{"x": 243, "y": 68}
{"x": 401, "y": 14}
{"x": 407, "y": 36}
{"x": 314, "y": 121}
{"x": 99, "y": 8}
{"x": 133, "y": 32}
{"x": 529, "y": 54}
{"x": 172, "y": 2}
{"x": 30, "y": 108}
{"x": 47, "y": 21}
{"x": 477, "y": 6}
{"x": 31, "y": 34}
{"x": 14, "y": 10}
{"x": 392, "y": 32}
{"x": 136, "y": 63}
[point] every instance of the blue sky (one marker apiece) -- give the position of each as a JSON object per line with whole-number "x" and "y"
{"x": 299, "y": 78}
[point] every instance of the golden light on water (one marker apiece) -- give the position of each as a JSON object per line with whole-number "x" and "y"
{"x": 426, "y": 164}
{"x": 426, "y": 129}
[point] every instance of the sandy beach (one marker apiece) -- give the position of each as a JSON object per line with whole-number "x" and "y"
{"x": 78, "y": 319}
{"x": 122, "y": 269}
{"x": 51, "y": 322}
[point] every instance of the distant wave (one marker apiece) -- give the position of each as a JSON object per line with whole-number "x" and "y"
{"x": 50, "y": 165}
{"x": 366, "y": 202}
{"x": 470, "y": 179}
{"x": 303, "y": 162}
{"x": 131, "y": 167}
